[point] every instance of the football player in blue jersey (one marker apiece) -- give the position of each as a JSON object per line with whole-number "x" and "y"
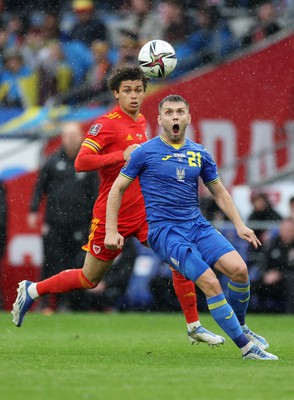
{"x": 169, "y": 167}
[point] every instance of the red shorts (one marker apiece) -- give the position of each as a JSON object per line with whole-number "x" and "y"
{"x": 95, "y": 245}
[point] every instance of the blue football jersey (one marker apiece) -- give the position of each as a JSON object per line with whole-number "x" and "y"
{"x": 169, "y": 177}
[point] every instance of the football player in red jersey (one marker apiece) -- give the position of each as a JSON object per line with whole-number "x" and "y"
{"x": 106, "y": 148}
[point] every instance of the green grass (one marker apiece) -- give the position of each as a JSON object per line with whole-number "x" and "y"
{"x": 138, "y": 357}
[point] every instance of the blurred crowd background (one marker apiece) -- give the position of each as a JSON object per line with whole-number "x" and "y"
{"x": 60, "y": 52}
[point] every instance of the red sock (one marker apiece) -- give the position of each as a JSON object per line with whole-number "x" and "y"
{"x": 65, "y": 281}
{"x": 186, "y": 293}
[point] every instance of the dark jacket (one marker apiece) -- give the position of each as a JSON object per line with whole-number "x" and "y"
{"x": 70, "y": 194}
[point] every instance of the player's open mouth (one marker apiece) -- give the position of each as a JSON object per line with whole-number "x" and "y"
{"x": 176, "y": 128}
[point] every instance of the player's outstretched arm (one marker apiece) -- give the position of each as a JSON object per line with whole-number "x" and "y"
{"x": 226, "y": 204}
{"x": 113, "y": 240}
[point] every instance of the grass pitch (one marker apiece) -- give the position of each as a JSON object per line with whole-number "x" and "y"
{"x": 135, "y": 356}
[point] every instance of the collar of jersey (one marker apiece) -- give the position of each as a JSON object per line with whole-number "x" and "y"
{"x": 175, "y": 146}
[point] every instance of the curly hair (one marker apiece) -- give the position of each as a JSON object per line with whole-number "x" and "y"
{"x": 126, "y": 72}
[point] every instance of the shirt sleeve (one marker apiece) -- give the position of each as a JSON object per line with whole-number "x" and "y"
{"x": 209, "y": 172}
{"x": 90, "y": 156}
{"x": 134, "y": 164}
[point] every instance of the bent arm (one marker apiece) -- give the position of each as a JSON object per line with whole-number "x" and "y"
{"x": 88, "y": 160}
{"x": 113, "y": 240}
{"x": 226, "y": 204}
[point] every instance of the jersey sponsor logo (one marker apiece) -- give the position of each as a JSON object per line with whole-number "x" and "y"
{"x": 179, "y": 156}
{"x": 94, "y": 130}
{"x": 96, "y": 249}
{"x": 129, "y": 137}
{"x": 180, "y": 174}
{"x": 166, "y": 158}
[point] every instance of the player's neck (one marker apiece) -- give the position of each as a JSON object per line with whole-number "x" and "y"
{"x": 175, "y": 144}
{"x": 133, "y": 115}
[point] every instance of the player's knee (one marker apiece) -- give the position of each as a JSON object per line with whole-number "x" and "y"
{"x": 209, "y": 284}
{"x": 240, "y": 273}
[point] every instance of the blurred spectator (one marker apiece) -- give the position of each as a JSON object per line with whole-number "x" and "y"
{"x": 210, "y": 209}
{"x": 3, "y": 226}
{"x": 140, "y": 18}
{"x": 3, "y": 45}
{"x": 87, "y": 28}
{"x": 55, "y": 74}
{"x": 70, "y": 197}
{"x": 276, "y": 291}
{"x": 16, "y": 29}
{"x": 259, "y": 219}
{"x": 266, "y": 25}
{"x": 291, "y": 207}
{"x": 32, "y": 6}
{"x": 79, "y": 58}
{"x": 129, "y": 48}
{"x": 263, "y": 212}
{"x": 50, "y": 28}
{"x": 177, "y": 24}
{"x": 18, "y": 85}
{"x": 212, "y": 38}
{"x": 32, "y": 45}
{"x": 96, "y": 78}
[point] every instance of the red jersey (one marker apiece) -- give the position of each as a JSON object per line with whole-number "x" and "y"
{"x": 107, "y": 138}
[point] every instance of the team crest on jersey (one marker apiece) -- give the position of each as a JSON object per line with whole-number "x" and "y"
{"x": 180, "y": 174}
{"x": 96, "y": 249}
{"x": 94, "y": 130}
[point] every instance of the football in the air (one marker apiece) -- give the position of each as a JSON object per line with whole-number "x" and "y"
{"x": 157, "y": 59}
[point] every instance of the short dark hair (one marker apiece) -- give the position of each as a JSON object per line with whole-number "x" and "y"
{"x": 126, "y": 72}
{"x": 173, "y": 98}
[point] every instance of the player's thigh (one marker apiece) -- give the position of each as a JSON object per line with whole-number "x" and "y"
{"x": 94, "y": 268}
{"x": 233, "y": 266}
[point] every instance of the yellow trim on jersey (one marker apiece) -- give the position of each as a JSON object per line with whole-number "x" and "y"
{"x": 125, "y": 176}
{"x": 212, "y": 182}
{"x": 91, "y": 144}
{"x": 90, "y": 147}
{"x": 217, "y": 304}
{"x": 113, "y": 115}
{"x": 175, "y": 146}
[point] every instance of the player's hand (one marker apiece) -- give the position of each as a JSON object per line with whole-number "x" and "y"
{"x": 129, "y": 149}
{"x": 248, "y": 234}
{"x": 114, "y": 241}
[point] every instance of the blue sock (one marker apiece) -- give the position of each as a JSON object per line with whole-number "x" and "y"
{"x": 238, "y": 297}
{"x": 225, "y": 317}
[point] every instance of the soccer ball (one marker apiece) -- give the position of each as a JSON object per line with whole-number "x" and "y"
{"x": 157, "y": 59}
